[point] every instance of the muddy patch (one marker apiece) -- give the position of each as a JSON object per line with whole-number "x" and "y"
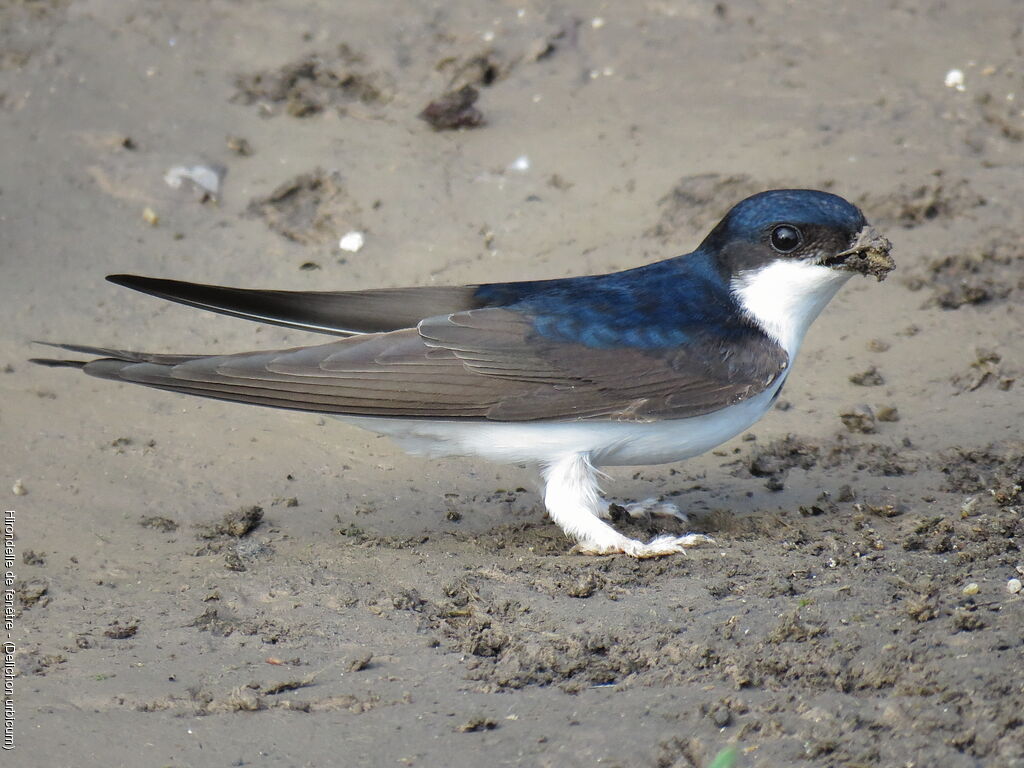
{"x": 311, "y": 209}
{"x": 316, "y": 82}
{"x": 911, "y": 206}
{"x": 990, "y": 273}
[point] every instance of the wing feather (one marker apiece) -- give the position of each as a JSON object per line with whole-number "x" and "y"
{"x": 482, "y": 364}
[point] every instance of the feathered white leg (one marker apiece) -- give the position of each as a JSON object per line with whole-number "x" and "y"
{"x": 571, "y": 495}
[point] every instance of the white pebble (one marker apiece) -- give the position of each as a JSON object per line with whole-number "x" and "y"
{"x": 972, "y": 589}
{"x": 19, "y": 489}
{"x": 597, "y": 22}
{"x": 352, "y": 241}
{"x": 955, "y": 79}
{"x": 1013, "y": 586}
{"x": 521, "y": 164}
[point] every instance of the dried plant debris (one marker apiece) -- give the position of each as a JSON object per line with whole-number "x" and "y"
{"x": 315, "y": 83}
{"x": 311, "y": 208}
{"x": 454, "y": 110}
{"x": 911, "y": 206}
{"x": 697, "y": 202}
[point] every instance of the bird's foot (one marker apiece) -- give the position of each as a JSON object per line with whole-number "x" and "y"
{"x": 572, "y": 497}
{"x": 657, "y": 547}
{"x": 645, "y": 509}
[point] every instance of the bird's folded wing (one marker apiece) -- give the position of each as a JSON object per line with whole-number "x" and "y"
{"x": 341, "y": 313}
{"x": 486, "y": 364}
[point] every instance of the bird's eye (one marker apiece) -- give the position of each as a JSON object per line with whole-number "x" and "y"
{"x": 786, "y": 238}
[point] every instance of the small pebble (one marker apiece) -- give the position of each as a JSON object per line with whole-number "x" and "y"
{"x": 352, "y": 241}
{"x": 19, "y": 489}
{"x": 1014, "y": 586}
{"x": 972, "y": 589}
{"x": 955, "y": 79}
{"x": 150, "y": 217}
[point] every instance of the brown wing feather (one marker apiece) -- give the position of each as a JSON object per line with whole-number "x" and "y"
{"x": 486, "y": 364}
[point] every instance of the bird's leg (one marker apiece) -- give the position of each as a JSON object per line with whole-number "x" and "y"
{"x": 572, "y": 497}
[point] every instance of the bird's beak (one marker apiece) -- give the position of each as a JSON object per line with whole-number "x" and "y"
{"x": 868, "y": 254}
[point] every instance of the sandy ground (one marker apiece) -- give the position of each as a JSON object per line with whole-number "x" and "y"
{"x": 387, "y": 610}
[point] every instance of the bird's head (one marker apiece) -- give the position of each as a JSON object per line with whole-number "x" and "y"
{"x": 802, "y": 226}
{"x": 786, "y": 252}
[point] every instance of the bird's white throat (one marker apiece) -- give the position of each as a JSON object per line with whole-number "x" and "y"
{"x": 784, "y": 297}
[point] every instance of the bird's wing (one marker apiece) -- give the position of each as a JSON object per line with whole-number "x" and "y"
{"x": 341, "y": 313}
{"x": 486, "y": 364}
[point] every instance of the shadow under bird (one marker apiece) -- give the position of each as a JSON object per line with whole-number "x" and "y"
{"x": 646, "y": 366}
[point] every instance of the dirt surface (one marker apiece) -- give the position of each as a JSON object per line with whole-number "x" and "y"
{"x": 201, "y": 584}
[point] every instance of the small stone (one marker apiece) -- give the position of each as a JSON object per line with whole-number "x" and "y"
{"x": 971, "y": 589}
{"x": 19, "y": 489}
{"x": 352, "y": 242}
{"x": 1014, "y": 586}
{"x": 150, "y": 216}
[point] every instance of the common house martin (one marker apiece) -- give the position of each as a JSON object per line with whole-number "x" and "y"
{"x": 645, "y": 366}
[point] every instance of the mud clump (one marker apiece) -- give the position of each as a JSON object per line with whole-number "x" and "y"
{"x": 912, "y": 206}
{"x": 235, "y": 524}
{"x": 158, "y": 523}
{"x": 984, "y": 369}
{"x": 775, "y": 460}
{"x": 860, "y": 419}
{"x": 310, "y": 209}
{"x": 983, "y": 274}
{"x": 313, "y": 84}
{"x": 119, "y": 631}
{"x": 454, "y": 110}
{"x": 996, "y": 470}
{"x": 869, "y": 378}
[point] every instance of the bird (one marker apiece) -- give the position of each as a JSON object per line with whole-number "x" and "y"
{"x": 649, "y": 365}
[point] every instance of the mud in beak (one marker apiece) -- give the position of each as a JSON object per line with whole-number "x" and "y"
{"x": 868, "y": 254}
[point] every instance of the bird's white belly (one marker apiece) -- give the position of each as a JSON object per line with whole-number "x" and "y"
{"x": 608, "y": 443}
